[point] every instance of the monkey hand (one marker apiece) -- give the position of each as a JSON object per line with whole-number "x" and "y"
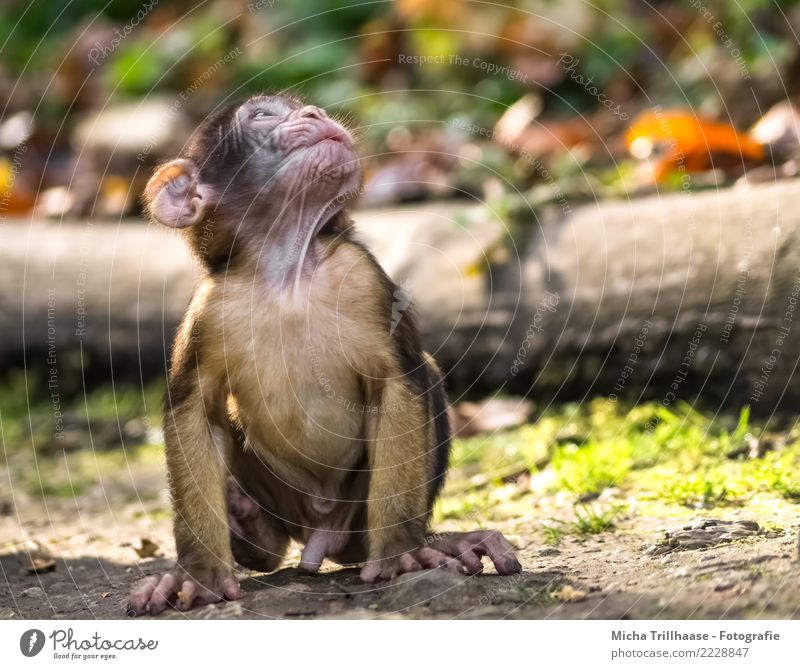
{"x": 181, "y": 591}
{"x": 456, "y": 552}
{"x": 470, "y": 547}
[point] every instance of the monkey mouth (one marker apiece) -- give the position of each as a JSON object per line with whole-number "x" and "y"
{"x": 331, "y": 132}
{"x": 307, "y": 135}
{"x": 332, "y": 136}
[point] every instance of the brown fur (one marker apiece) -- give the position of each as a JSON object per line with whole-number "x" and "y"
{"x": 304, "y": 385}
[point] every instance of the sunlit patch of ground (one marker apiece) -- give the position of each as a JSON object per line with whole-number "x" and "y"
{"x": 596, "y": 497}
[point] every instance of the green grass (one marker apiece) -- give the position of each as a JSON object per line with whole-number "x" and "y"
{"x": 588, "y": 520}
{"x": 589, "y": 469}
{"x": 27, "y": 421}
{"x": 600, "y": 452}
{"x": 40, "y": 464}
{"x": 74, "y": 474}
{"x": 679, "y": 456}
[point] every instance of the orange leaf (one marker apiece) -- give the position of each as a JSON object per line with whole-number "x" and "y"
{"x": 678, "y": 138}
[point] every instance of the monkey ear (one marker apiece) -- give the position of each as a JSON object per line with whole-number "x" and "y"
{"x": 174, "y": 197}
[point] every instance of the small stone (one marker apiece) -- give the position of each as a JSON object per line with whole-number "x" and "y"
{"x": 704, "y": 523}
{"x": 657, "y": 550}
{"x": 547, "y": 552}
{"x": 35, "y": 592}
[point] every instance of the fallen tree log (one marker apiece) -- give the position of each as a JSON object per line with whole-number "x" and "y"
{"x": 662, "y": 296}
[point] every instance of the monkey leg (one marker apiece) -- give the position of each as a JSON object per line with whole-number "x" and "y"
{"x": 258, "y": 540}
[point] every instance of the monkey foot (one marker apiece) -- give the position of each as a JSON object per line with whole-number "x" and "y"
{"x": 456, "y": 552}
{"x": 422, "y": 558}
{"x": 470, "y": 547}
{"x": 175, "y": 589}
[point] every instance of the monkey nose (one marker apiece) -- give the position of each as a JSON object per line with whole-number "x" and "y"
{"x": 310, "y": 111}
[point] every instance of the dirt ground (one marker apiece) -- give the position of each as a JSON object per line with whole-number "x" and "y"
{"x": 628, "y": 573}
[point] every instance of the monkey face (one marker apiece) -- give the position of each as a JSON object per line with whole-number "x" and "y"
{"x": 296, "y": 149}
{"x": 266, "y": 156}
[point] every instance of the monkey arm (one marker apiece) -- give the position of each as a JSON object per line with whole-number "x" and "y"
{"x": 397, "y": 442}
{"x": 195, "y": 450}
{"x": 195, "y": 443}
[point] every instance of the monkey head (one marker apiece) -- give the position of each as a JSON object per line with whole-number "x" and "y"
{"x": 269, "y": 168}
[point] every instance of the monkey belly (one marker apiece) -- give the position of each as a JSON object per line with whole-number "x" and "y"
{"x": 309, "y": 445}
{"x": 336, "y": 531}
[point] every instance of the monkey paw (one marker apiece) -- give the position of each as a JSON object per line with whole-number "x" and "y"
{"x": 457, "y": 552}
{"x": 422, "y": 558}
{"x": 470, "y": 547}
{"x": 180, "y": 591}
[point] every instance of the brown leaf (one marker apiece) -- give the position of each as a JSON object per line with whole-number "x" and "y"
{"x": 148, "y": 548}
{"x": 569, "y": 594}
{"x": 35, "y": 559}
{"x": 39, "y": 565}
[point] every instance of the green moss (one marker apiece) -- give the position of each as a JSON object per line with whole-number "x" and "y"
{"x": 679, "y": 456}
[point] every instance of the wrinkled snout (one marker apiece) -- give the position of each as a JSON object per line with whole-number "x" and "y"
{"x": 311, "y": 125}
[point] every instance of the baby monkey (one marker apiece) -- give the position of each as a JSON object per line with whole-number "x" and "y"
{"x": 297, "y": 407}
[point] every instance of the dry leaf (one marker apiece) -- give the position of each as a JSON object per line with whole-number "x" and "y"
{"x": 148, "y": 549}
{"x": 39, "y": 565}
{"x": 570, "y": 594}
{"x": 679, "y": 141}
{"x": 36, "y": 559}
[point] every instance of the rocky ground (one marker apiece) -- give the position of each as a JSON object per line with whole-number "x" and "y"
{"x": 648, "y": 567}
{"x": 695, "y": 518}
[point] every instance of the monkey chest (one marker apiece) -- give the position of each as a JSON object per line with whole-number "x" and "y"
{"x": 298, "y": 396}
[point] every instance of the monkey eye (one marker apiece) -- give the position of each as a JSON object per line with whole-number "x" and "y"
{"x": 261, "y": 113}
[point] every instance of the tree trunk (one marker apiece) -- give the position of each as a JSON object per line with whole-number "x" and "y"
{"x": 662, "y": 296}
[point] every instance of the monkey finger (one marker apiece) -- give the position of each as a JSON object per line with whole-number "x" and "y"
{"x": 194, "y": 594}
{"x": 469, "y": 558}
{"x": 166, "y": 588}
{"x": 408, "y": 564}
{"x": 430, "y": 558}
{"x": 186, "y": 595}
{"x": 464, "y": 551}
{"x": 501, "y": 553}
{"x": 231, "y": 590}
{"x": 138, "y": 599}
{"x": 377, "y": 570}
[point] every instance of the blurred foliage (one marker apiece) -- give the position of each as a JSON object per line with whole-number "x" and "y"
{"x": 420, "y": 80}
{"x": 350, "y": 55}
